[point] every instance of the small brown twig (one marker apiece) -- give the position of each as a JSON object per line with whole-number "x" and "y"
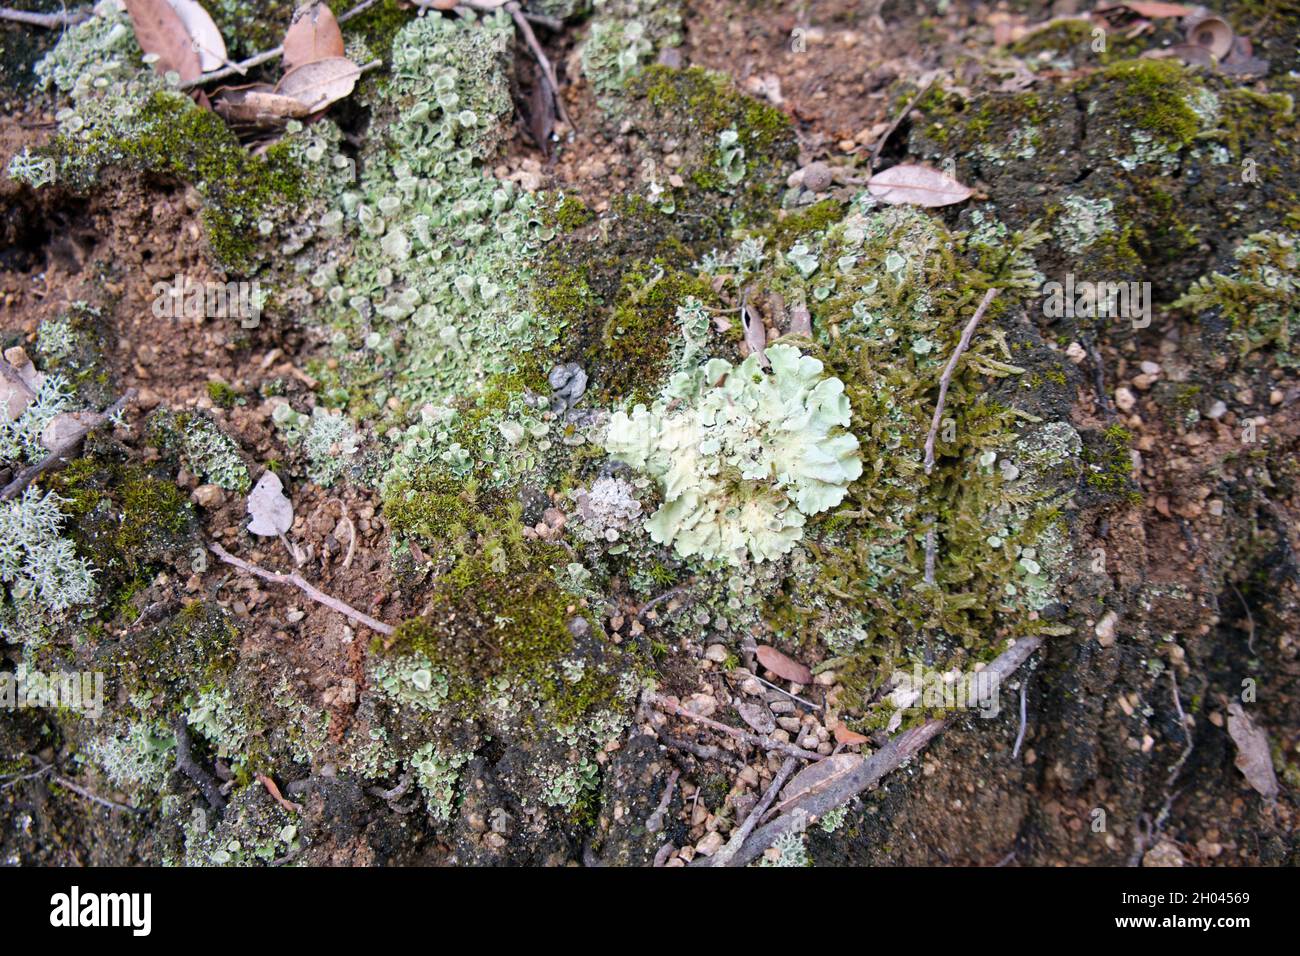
{"x": 723, "y": 856}
{"x": 655, "y": 822}
{"x": 669, "y": 706}
{"x": 51, "y": 21}
{"x": 61, "y": 454}
{"x": 187, "y": 765}
{"x": 946, "y": 377}
{"x": 276, "y": 795}
{"x": 548, "y": 71}
{"x": 275, "y": 577}
{"x": 1020, "y": 737}
{"x": 884, "y": 137}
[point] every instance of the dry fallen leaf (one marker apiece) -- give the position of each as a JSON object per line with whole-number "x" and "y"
{"x": 271, "y": 511}
{"x": 257, "y": 105}
{"x": 800, "y": 321}
{"x": 316, "y": 85}
{"x": 1151, "y": 10}
{"x": 160, "y": 30}
{"x": 1254, "y": 759}
{"x": 917, "y": 186}
{"x": 757, "y": 716}
{"x": 204, "y": 36}
{"x": 15, "y": 396}
{"x": 815, "y": 778}
{"x": 65, "y": 426}
{"x": 847, "y": 737}
{"x": 313, "y": 35}
{"x": 783, "y": 666}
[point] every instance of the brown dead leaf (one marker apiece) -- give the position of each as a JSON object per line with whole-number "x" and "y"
{"x": 316, "y": 85}
{"x": 205, "y": 38}
{"x": 847, "y": 737}
{"x": 800, "y": 321}
{"x": 1254, "y": 758}
{"x": 783, "y": 666}
{"x": 66, "y": 426}
{"x": 1150, "y": 10}
{"x": 15, "y": 395}
{"x": 257, "y": 105}
{"x": 917, "y": 186}
{"x": 313, "y": 35}
{"x": 815, "y": 778}
{"x": 757, "y": 716}
{"x": 159, "y": 30}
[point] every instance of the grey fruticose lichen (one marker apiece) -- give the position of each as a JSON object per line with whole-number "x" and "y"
{"x": 743, "y": 457}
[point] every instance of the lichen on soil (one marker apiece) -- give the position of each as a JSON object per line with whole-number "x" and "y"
{"x": 512, "y": 393}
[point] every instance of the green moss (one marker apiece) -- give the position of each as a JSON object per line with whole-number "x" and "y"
{"x": 568, "y": 213}
{"x": 711, "y": 103}
{"x": 638, "y": 337}
{"x": 815, "y": 218}
{"x": 171, "y": 135}
{"x": 379, "y": 25}
{"x": 222, "y": 394}
{"x": 497, "y": 620}
{"x": 430, "y": 507}
{"x": 126, "y": 520}
{"x": 1152, "y": 94}
{"x": 196, "y": 649}
{"x": 1111, "y": 466}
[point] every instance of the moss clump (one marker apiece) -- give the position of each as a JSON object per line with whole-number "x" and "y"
{"x": 125, "y": 520}
{"x": 814, "y": 218}
{"x": 1257, "y": 297}
{"x": 711, "y": 103}
{"x": 222, "y": 395}
{"x": 193, "y": 651}
{"x": 1110, "y": 464}
{"x": 430, "y": 507}
{"x": 498, "y": 619}
{"x": 379, "y": 25}
{"x": 638, "y": 337}
{"x": 1152, "y": 94}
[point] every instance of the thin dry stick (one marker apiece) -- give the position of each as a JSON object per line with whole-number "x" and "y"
{"x": 548, "y": 71}
{"x": 723, "y": 856}
{"x": 655, "y": 822}
{"x": 1020, "y": 737}
{"x": 275, "y": 577}
{"x": 897, "y": 750}
{"x": 51, "y": 21}
{"x": 807, "y": 703}
{"x": 668, "y": 706}
{"x": 884, "y": 138}
{"x": 962, "y": 345}
{"x": 187, "y": 765}
{"x": 61, "y": 454}
{"x": 266, "y": 56}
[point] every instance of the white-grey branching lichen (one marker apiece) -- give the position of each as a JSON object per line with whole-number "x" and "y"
{"x": 743, "y": 457}
{"x": 35, "y": 563}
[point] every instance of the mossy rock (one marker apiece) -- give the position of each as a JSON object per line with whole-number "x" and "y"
{"x": 1142, "y": 171}
{"x": 128, "y": 521}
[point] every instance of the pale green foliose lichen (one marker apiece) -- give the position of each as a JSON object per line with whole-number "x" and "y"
{"x": 743, "y": 457}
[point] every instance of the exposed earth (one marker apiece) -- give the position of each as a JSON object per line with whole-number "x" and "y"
{"x": 602, "y": 433}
